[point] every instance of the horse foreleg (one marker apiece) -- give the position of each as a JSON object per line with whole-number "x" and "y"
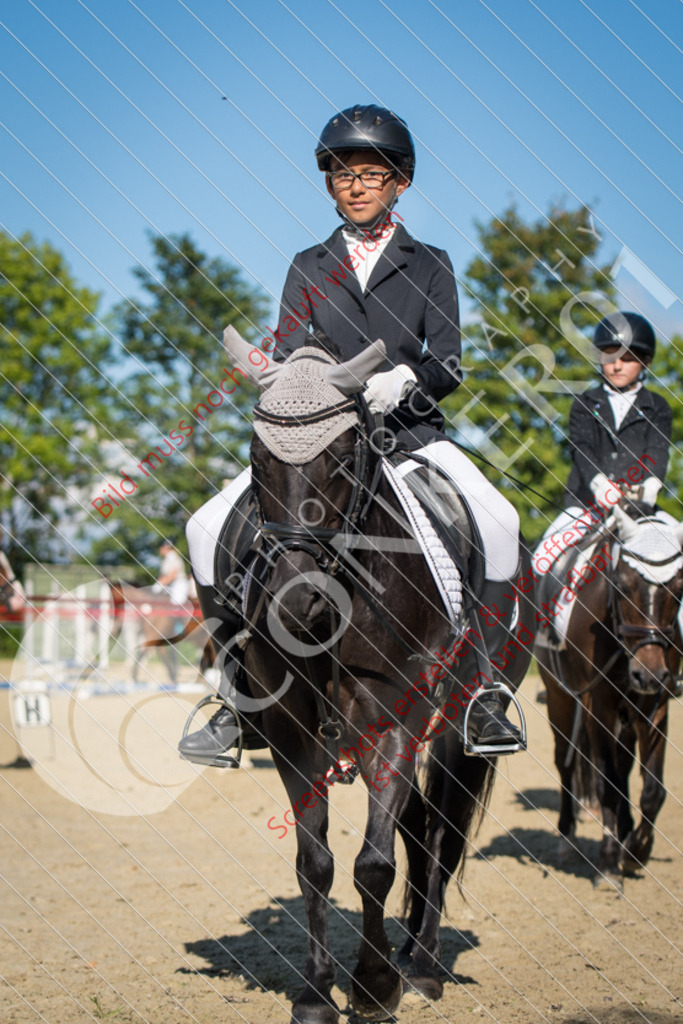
{"x": 315, "y": 871}
{"x": 376, "y": 988}
{"x": 652, "y": 743}
{"x": 562, "y": 709}
{"x": 625, "y": 753}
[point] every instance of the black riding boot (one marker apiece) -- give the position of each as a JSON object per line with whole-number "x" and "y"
{"x": 211, "y": 744}
{"x": 487, "y": 721}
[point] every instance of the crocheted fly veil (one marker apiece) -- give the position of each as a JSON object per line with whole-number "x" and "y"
{"x": 302, "y": 413}
{"x": 305, "y": 401}
{"x": 653, "y": 548}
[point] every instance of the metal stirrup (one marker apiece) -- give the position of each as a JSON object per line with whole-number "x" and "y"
{"x": 474, "y": 749}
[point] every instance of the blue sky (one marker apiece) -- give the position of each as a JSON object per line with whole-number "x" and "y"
{"x": 202, "y": 115}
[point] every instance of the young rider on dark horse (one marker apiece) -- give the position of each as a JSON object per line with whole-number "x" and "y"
{"x": 401, "y": 291}
{"x": 619, "y": 432}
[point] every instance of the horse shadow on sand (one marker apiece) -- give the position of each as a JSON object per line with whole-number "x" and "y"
{"x": 270, "y": 954}
{"x": 540, "y": 845}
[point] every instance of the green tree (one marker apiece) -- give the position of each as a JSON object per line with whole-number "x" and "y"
{"x": 521, "y": 364}
{"x": 54, "y": 398}
{"x": 181, "y": 435}
{"x": 665, "y": 377}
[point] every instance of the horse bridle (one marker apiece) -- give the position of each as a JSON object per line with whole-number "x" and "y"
{"x": 661, "y": 636}
{"x": 317, "y": 540}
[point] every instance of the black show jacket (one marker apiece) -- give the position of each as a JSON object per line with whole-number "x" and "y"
{"x": 599, "y": 447}
{"x": 411, "y": 297}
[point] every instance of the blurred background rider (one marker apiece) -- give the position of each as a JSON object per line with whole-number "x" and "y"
{"x": 172, "y": 576}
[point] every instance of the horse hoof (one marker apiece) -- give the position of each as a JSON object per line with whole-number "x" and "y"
{"x": 635, "y": 854}
{"x": 427, "y": 985}
{"x": 314, "y": 1013}
{"x": 609, "y": 881}
{"x": 566, "y": 849}
{"x": 630, "y": 867}
{"x": 376, "y": 996}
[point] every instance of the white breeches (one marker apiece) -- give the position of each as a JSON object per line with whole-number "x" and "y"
{"x": 495, "y": 517}
{"x": 204, "y": 528}
{"x": 566, "y": 530}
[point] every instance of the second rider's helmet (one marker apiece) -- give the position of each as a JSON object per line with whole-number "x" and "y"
{"x": 631, "y": 330}
{"x": 368, "y": 127}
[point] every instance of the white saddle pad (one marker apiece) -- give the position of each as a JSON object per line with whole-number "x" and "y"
{"x": 443, "y": 569}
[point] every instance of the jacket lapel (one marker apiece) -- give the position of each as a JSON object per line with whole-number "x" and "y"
{"x": 396, "y": 256}
{"x": 334, "y": 274}
{"x": 635, "y": 413}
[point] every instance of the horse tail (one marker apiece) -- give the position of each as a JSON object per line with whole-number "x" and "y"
{"x": 457, "y": 790}
{"x": 168, "y": 641}
{"x": 584, "y": 774}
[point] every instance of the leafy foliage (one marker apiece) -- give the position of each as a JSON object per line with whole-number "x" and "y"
{"x": 522, "y": 363}
{"x": 178, "y": 446}
{"x": 665, "y": 377}
{"x": 53, "y": 395}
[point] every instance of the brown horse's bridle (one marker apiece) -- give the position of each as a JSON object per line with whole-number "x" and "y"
{"x": 662, "y": 636}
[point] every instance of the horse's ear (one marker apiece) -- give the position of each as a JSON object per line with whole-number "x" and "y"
{"x": 252, "y": 362}
{"x": 352, "y": 376}
{"x": 626, "y": 526}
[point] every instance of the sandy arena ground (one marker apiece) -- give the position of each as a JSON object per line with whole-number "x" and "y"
{"x": 190, "y": 911}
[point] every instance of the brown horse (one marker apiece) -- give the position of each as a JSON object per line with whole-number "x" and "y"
{"x": 156, "y": 619}
{"x": 611, "y": 684}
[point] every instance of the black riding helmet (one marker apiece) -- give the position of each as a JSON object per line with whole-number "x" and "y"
{"x": 372, "y": 128}
{"x": 629, "y": 330}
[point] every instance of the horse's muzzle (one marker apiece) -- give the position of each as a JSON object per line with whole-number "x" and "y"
{"x": 647, "y": 680}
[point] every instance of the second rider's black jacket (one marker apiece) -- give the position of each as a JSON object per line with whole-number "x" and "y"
{"x": 598, "y": 446}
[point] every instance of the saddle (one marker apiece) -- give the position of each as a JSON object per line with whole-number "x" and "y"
{"x": 235, "y": 552}
{"x": 445, "y": 509}
{"x": 448, "y": 513}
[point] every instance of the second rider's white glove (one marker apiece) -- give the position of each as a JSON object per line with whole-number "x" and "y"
{"x": 385, "y": 390}
{"x": 651, "y": 488}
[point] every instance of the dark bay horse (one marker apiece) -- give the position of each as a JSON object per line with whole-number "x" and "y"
{"x": 344, "y": 623}
{"x": 610, "y": 687}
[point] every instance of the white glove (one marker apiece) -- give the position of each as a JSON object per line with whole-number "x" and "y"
{"x": 651, "y": 488}
{"x": 604, "y": 489}
{"x": 385, "y": 390}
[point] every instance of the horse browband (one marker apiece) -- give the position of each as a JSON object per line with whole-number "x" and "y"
{"x": 304, "y": 420}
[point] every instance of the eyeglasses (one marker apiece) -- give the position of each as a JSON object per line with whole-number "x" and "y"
{"x": 369, "y": 179}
